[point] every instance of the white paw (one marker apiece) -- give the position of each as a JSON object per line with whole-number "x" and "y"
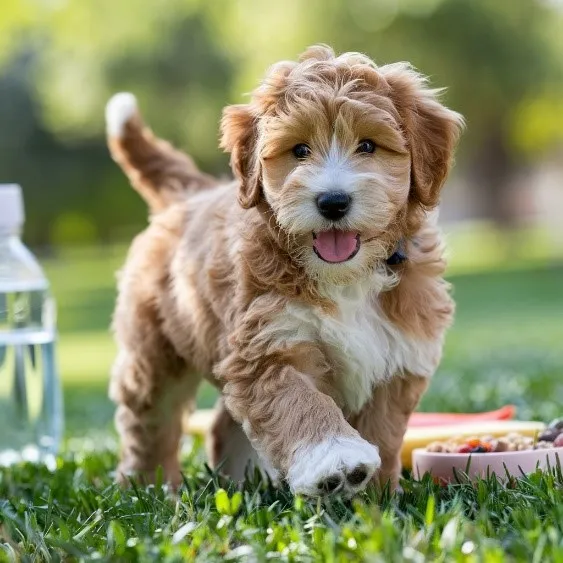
{"x": 336, "y": 465}
{"x": 119, "y": 110}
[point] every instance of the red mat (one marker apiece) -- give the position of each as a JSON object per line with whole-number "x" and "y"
{"x": 438, "y": 419}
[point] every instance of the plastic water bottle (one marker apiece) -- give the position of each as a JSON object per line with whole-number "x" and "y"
{"x": 31, "y": 415}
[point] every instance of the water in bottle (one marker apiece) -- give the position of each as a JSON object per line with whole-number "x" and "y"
{"x": 30, "y": 395}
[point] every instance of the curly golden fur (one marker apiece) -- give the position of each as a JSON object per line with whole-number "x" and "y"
{"x": 320, "y": 363}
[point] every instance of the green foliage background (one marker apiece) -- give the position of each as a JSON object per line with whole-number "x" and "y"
{"x": 60, "y": 60}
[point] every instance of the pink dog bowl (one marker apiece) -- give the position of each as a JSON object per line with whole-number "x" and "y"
{"x": 443, "y": 466}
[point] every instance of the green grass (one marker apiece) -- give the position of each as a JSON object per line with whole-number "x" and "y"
{"x": 78, "y": 513}
{"x": 505, "y": 347}
{"x": 507, "y": 335}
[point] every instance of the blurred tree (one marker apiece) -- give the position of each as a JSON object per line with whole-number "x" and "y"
{"x": 185, "y": 59}
{"x": 501, "y": 62}
{"x": 62, "y": 64}
{"x": 55, "y": 176}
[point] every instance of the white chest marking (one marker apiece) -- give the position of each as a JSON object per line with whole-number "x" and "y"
{"x": 364, "y": 347}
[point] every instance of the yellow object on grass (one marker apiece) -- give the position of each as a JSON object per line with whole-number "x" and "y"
{"x": 418, "y": 437}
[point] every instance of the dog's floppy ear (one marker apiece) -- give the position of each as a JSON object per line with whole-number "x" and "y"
{"x": 238, "y": 136}
{"x": 432, "y": 130}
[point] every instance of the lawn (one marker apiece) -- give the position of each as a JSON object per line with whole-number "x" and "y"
{"x": 505, "y": 347}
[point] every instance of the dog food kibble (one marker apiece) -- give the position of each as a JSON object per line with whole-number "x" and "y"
{"x": 551, "y": 437}
{"x": 557, "y": 424}
{"x": 549, "y": 434}
{"x": 499, "y": 445}
{"x": 437, "y": 447}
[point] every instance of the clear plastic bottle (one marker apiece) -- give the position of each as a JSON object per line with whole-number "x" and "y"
{"x": 31, "y": 410}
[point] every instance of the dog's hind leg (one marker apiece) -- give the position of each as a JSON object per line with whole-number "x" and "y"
{"x": 149, "y": 421}
{"x": 151, "y": 383}
{"x": 229, "y": 448}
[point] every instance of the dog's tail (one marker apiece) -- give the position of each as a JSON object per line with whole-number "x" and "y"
{"x": 158, "y": 171}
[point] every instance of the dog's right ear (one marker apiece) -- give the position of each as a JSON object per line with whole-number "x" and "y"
{"x": 431, "y": 129}
{"x": 238, "y": 136}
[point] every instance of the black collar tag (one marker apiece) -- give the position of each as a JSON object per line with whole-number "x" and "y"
{"x": 399, "y": 256}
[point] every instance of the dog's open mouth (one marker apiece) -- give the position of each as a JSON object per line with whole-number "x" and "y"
{"x": 334, "y": 246}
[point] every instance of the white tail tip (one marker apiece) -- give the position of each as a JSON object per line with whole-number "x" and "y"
{"x": 119, "y": 110}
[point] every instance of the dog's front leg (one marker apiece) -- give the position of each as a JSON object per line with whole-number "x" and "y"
{"x": 384, "y": 419}
{"x": 296, "y": 428}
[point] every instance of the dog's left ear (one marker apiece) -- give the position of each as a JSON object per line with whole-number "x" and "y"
{"x": 238, "y": 136}
{"x": 432, "y": 130}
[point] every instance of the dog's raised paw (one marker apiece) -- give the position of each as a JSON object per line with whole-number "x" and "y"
{"x": 335, "y": 466}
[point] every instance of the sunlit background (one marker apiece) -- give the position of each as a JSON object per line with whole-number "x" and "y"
{"x": 502, "y": 63}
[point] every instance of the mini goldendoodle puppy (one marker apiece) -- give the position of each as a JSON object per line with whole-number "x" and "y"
{"x": 309, "y": 290}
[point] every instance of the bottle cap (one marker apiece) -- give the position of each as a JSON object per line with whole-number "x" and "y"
{"x": 11, "y": 207}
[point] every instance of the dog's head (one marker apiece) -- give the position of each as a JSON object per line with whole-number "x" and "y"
{"x": 344, "y": 153}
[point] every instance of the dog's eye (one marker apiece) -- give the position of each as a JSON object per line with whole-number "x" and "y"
{"x": 301, "y": 151}
{"x": 366, "y": 146}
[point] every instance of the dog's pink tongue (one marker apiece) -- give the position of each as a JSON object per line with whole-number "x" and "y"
{"x": 334, "y": 245}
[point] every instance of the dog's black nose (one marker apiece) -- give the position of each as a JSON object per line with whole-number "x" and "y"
{"x": 333, "y": 205}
